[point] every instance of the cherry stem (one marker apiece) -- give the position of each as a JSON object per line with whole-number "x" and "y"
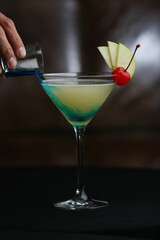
{"x": 137, "y": 46}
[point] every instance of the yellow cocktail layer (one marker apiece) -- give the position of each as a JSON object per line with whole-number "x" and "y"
{"x": 78, "y": 103}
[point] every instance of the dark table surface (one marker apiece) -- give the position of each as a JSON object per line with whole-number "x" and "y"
{"x": 27, "y": 211}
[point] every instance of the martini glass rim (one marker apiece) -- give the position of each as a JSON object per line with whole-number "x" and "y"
{"x": 81, "y": 77}
{"x": 79, "y": 74}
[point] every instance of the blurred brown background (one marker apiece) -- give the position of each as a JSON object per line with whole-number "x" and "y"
{"x": 126, "y": 131}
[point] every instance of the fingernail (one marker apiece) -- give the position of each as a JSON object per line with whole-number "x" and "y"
{"x": 12, "y": 63}
{"x": 21, "y": 52}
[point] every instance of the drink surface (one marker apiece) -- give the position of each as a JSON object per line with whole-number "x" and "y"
{"x": 78, "y": 101}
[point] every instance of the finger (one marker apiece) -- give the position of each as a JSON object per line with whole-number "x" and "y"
{"x": 1, "y": 73}
{"x": 0, "y": 70}
{"x": 6, "y": 51}
{"x": 13, "y": 36}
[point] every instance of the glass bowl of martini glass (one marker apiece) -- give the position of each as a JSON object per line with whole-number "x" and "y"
{"x": 78, "y": 96}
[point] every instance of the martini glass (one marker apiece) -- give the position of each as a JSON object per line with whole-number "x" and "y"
{"x": 78, "y": 96}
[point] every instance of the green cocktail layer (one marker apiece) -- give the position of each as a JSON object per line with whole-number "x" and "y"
{"x": 78, "y": 103}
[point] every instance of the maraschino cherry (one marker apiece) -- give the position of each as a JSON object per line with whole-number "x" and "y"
{"x": 120, "y": 74}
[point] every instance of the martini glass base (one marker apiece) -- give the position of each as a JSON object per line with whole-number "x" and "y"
{"x": 76, "y": 204}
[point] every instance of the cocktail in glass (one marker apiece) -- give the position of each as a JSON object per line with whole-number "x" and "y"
{"x": 78, "y": 96}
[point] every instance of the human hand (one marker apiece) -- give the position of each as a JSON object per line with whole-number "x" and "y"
{"x": 11, "y": 45}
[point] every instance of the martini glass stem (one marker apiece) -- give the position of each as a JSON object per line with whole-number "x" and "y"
{"x": 80, "y": 193}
